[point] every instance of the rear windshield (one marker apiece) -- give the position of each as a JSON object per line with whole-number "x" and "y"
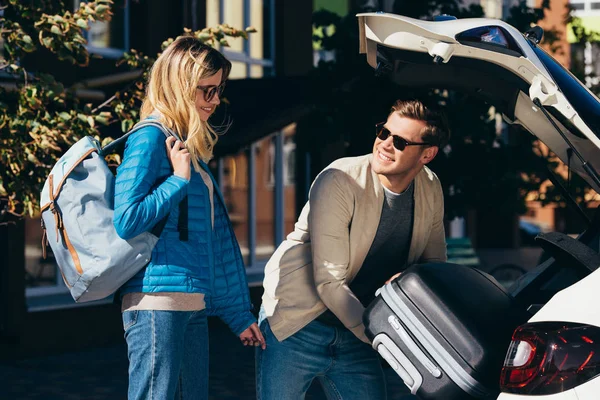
{"x": 586, "y": 105}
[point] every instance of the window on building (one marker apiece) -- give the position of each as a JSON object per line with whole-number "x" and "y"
{"x": 250, "y": 58}
{"x": 289, "y": 159}
{"x": 585, "y": 62}
{"x": 259, "y": 191}
{"x": 585, "y": 6}
{"x": 257, "y": 183}
{"x": 233, "y": 182}
{"x": 110, "y": 39}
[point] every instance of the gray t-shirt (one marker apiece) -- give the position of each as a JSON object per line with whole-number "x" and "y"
{"x": 389, "y": 250}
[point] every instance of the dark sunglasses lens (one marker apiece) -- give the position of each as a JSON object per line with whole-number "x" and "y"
{"x": 399, "y": 143}
{"x": 210, "y": 94}
{"x": 382, "y": 133}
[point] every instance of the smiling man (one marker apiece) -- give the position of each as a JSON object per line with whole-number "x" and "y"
{"x": 366, "y": 220}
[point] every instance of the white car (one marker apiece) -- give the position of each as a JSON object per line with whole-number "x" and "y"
{"x": 556, "y": 355}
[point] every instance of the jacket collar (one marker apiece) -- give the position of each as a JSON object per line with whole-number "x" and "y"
{"x": 422, "y": 213}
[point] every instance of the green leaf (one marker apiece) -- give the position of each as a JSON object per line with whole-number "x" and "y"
{"x": 101, "y": 119}
{"x": 47, "y": 41}
{"x": 126, "y": 125}
{"x": 56, "y": 30}
{"x": 33, "y": 159}
{"x": 26, "y": 39}
{"x": 82, "y": 24}
{"x": 65, "y": 116}
{"x": 204, "y": 36}
{"x": 100, "y": 9}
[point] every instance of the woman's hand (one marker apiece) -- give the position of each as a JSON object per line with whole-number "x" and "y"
{"x": 179, "y": 157}
{"x": 253, "y": 337}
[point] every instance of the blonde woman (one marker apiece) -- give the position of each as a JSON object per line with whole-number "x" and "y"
{"x": 165, "y": 306}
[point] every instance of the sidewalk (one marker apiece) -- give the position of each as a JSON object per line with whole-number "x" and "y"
{"x": 101, "y": 373}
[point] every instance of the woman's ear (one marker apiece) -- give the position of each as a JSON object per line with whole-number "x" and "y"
{"x": 429, "y": 154}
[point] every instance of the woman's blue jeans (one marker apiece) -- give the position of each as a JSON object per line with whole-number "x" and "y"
{"x": 346, "y": 367}
{"x": 168, "y": 354}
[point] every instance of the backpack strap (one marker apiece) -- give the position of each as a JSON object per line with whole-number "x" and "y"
{"x": 109, "y": 148}
{"x": 182, "y": 222}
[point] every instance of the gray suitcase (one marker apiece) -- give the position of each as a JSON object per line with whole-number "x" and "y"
{"x": 444, "y": 328}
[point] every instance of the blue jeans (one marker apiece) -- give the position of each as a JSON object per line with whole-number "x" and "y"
{"x": 346, "y": 367}
{"x": 168, "y": 354}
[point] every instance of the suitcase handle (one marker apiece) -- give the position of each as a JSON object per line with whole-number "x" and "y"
{"x": 447, "y": 363}
{"x": 398, "y": 361}
{"x": 414, "y": 348}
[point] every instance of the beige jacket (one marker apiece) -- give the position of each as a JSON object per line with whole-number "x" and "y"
{"x": 311, "y": 270}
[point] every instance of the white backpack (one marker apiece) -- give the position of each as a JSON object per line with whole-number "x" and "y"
{"x": 77, "y": 219}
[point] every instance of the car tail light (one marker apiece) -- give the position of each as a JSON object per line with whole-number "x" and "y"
{"x": 550, "y": 357}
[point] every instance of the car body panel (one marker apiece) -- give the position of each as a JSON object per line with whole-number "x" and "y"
{"x": 567, "y": 395}
{"x": 578, "y": 303}
{"x": 432, "y": 54}
{"x": 588, "y": 390}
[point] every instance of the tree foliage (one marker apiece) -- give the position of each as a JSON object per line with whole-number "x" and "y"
{"x": 40, "y": 118}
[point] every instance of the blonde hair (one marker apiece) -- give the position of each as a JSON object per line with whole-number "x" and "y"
{"x": 172, "y": 89}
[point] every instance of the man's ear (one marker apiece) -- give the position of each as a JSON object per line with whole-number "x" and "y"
{"x": 429, "y": 154}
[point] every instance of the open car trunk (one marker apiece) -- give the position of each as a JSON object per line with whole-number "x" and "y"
{"x": 491, "y": 60}
{"x": 420, "y": 321}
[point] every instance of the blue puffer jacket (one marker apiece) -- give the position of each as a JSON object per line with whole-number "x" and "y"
{"x": 210, "y": 261}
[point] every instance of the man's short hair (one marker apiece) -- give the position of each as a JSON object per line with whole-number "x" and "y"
{"x": 436, "y": 131}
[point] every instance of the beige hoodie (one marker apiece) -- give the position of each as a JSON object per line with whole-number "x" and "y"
{"x": 311, "y": 270}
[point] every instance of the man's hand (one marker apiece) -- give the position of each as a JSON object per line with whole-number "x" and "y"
{"x": 392, "y": 278}
{"x": 253, "y": 337}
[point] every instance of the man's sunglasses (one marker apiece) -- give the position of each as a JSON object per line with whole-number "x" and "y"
{"x": 399, "y": 142}
{"x": 211, "y": 91}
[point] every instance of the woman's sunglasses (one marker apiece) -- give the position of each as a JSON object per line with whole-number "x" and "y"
{"x": 211, "y": 91}
{"x": 399, "y": 142}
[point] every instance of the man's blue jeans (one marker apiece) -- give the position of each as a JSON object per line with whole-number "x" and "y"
{"x": 168, "y": 354}
{"x": 346, "y": 367}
